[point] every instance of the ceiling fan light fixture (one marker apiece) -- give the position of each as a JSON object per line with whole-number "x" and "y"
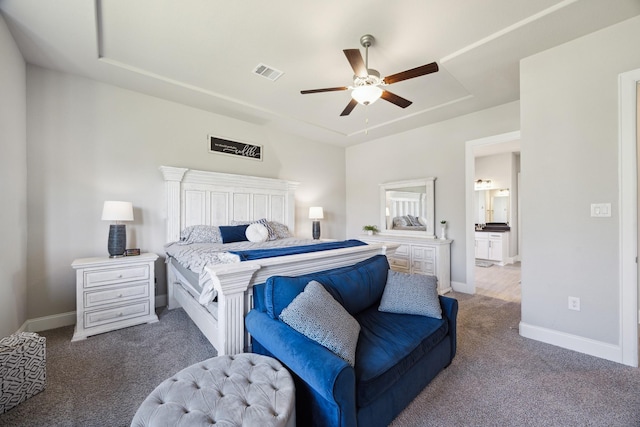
{"x": 366, "y": 95}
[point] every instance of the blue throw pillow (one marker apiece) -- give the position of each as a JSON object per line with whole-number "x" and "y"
{"x": 234, "y": 233}
{"x": 407, "y": 293}
{"x": 318, "y": 316}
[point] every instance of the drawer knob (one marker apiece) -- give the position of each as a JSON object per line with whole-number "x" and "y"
{"x": 119, "y": 276}
{"x": 119, "y": 295}
{"x": 120, "y": 314}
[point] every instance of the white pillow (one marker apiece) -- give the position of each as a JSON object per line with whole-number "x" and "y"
{"x": 257, "y": 232}
{"x": 318, "y": 316}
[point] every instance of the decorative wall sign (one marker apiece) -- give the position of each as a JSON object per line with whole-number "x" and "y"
{"x": 234, "y": 148}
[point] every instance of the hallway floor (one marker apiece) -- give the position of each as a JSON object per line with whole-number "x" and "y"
{"x": 502, "y": 282}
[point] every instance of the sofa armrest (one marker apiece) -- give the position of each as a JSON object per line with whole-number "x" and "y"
{"x": 326, "y": 373}
{"x": 450, "y": 311}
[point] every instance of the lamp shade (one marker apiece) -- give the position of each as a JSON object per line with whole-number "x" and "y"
{"x": 316, "y": 212}
{"x": 117, "y": 211}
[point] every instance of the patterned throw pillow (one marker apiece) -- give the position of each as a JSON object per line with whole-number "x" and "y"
{"x": 200, "y": 234}
{"x": 280, "y": 231}
{"x": 411, "y": 294}
{"x": 318, "y": 316}
{"x": 400, "y": 221}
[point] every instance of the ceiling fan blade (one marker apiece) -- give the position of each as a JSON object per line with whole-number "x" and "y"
{"x": 409, "y": 74}
{"x": 328, "y": 89}
{"x": 349, "y": 108}
{"x": 395, "y": 99}
{"x": 357, "y": 63}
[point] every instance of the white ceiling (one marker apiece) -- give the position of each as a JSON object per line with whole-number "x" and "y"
{"x": 202, "y": 53}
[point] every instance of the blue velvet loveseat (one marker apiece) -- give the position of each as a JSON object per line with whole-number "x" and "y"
{"x": 396, "y": 356}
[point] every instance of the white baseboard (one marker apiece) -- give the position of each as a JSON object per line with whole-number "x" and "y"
{"x": 463, "y": 287}
{"x": 48, "y": 322}
{"x": 65, "y": 319}
{"x": 572, "y": 342}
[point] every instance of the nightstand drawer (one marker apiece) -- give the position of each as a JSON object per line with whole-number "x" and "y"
{"x": 116, "y": 314}
{"x": 121, "y": 294}
{"x": 115, "y": 275}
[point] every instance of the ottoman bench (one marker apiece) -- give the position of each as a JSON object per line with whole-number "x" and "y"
{"x": 241, "y": 390}
{"x": 23, "y": 370}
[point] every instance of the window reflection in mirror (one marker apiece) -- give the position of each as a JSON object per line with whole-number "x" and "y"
{"x": 408, "y": 207}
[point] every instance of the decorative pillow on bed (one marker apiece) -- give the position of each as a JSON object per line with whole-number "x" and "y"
{"x": 280, "y": 231}
{"x": 411, "y": 294}
{"x": 233, "y": 233}
{"x": 257, "y": 232}
{"x": 263, "y": 221}
{"x": 413, "y": 221}
{"x": 200, "y": 234}
{"x": 318, "y": 316}
{"x": 400, "y": 221}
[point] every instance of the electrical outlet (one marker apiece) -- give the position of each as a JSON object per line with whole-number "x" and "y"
{"x": 574, "y": 303}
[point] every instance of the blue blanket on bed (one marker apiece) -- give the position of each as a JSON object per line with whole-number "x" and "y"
{"x": 293, "y": 250}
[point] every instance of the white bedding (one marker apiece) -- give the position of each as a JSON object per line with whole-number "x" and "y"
{"x": 196, "y": 256}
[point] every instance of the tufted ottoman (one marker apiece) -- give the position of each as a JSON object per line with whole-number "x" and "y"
{"x": 241, "y": 390}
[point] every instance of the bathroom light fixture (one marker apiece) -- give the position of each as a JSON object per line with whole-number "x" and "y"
{"x": 117, "y": 211}
{"x": 316, "y": 214}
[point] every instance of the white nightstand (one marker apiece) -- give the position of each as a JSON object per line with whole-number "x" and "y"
{"x": 113, "y": 293}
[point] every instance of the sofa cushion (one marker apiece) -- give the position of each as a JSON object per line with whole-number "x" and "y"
{"x": 411, "y": 294}
{"x": 355, "y": 287}
{"x": 318, "y": 316}
{"x": 389, "y": 345}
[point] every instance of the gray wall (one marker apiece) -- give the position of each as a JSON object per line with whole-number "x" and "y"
{"x": 13, "y": 185}
{"x": 89, "y": 142}
{"x": 436, "y": 150}
{"x": 569, "y": 109}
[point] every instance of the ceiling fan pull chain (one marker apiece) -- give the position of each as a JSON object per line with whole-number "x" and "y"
{"x": 366, "y": 120}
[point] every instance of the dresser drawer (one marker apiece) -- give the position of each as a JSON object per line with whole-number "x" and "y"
{"x": 399, "y": 263}
{"x": 116, "y": 314}
{"x": 424, "y": 267}
{"x": 423, "y": 253}
{"x": 402, "y": 252}
{"x": 115, "y": 295}
{"x": 115, "y": 275}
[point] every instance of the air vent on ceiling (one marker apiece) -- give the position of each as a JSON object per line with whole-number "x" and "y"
{"x": 267, "y": 72}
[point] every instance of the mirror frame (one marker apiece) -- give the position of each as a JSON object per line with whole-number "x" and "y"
{"x": 430, "y": 211}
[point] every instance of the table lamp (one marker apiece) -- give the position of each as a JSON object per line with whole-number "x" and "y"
{"x": 117, "y": 211}
{"x": 316, "y": 214}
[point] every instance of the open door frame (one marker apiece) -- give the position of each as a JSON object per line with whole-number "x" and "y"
{"x": 628, "y": 200}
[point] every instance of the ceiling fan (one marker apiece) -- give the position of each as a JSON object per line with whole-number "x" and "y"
{"x": 367, "y": 84}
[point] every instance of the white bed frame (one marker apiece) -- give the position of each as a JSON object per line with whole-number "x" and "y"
{"x": 199, "y": 197}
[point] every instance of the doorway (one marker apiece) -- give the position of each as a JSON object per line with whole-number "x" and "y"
{"x": 507, "y": 142}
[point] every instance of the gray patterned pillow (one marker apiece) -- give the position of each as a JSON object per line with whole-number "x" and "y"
{"x": 200, "y": 234}
{"x": 411, "y": 294}
{"x": 280, "y": 231}
{"x": 318, "y": 316}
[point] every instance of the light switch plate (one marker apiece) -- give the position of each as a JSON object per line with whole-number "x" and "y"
{"x": 600, "y": 209}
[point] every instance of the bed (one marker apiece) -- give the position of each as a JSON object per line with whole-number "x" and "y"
{"x": 203, "y": 198}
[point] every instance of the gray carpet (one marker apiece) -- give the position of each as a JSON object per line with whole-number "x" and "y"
{"x": 497, "y": 378}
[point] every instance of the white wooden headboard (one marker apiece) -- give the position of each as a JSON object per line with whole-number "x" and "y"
{"x": 196, "y": 197}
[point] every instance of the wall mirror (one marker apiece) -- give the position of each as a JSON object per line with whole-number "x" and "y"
{"x": 492, "y": 206}
{"x": 408, "y": 207}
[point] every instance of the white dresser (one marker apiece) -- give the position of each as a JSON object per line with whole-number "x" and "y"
{"x": 113, "y": 293}
{"x": 419, "y": 255}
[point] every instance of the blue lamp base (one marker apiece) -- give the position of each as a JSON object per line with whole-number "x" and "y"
{"x": 315, "y": 229}
{"x": 117, "y": 240}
